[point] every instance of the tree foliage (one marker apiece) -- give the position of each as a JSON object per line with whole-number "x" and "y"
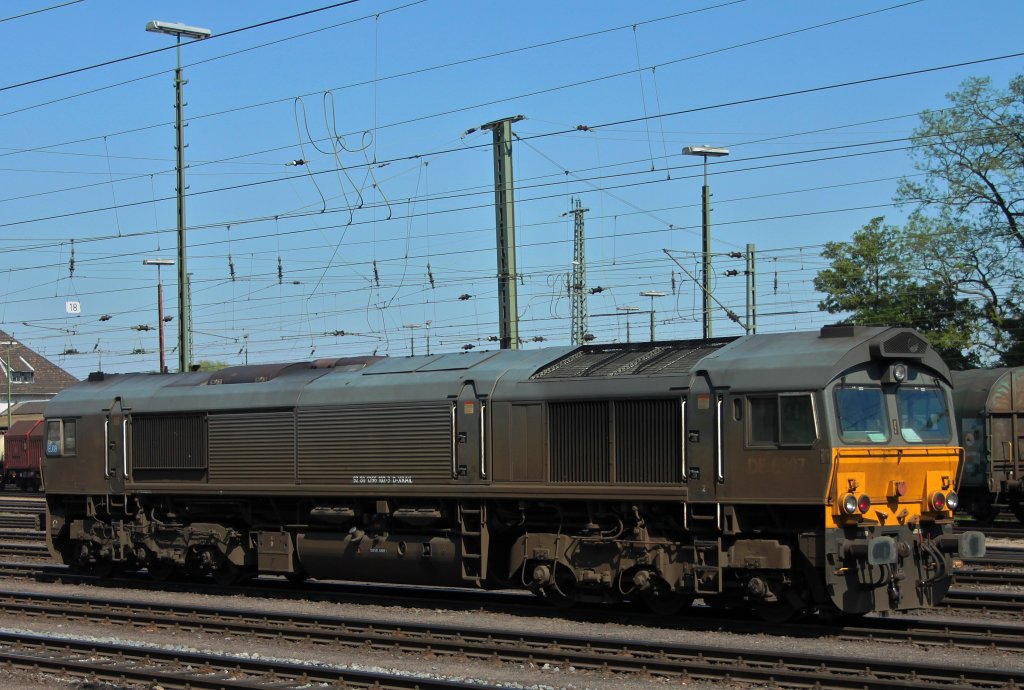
{"x": 956, "y": 269}
{"x": 968, "y": 227}
{"x": 873, "y": 278}
{"x": 210, "y": 365}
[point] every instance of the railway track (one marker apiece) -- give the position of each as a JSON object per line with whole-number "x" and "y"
{"x": 989, "y": 577}
{"x": 985, "y": 601}
{"x": 607, "y": 655}
{"x": 165, "y": 668}
{"x": 24, "y": 549}
{"x": 21, "y": 513}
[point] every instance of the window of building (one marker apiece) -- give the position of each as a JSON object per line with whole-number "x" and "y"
{"x": 22, "y": 376}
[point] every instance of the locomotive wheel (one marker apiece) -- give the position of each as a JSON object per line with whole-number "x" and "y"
{"x": 103, "y": 567}
{"x": 776, "y": 611}
{"x": 830, "y": 614}
{"x": 660, "y": 599}
{"x": 227, "y": 574}
{"x": 1018, "y": 510}
{"x": 160, "y": 570}
{"x": 983, "y": 512}
{"x": 296, "y": 578}
{"x": 562, "y": 592}
{"x": 667, "y": 604}
{"x": 725, "y": 603}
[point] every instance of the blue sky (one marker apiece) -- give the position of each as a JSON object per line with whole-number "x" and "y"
{"x": 378, "y": 98}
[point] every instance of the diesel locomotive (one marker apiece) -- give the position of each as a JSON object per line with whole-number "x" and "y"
{"x": 796, "y": 472}
{"x": 989, "y": 405}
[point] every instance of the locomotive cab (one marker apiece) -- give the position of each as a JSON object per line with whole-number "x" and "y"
{"x": 895, "y": 469}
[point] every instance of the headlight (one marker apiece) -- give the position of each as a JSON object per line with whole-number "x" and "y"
{"x": 952, "y": 500}
{"x": 849, "y": 504}
{"x": 863, "y": 503}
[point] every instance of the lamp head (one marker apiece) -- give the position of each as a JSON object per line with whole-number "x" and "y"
{"x": 177, "y": 29}
{"x": 710, "y": 151}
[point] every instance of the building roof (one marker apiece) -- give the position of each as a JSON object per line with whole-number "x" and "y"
{"x": 47, "y": 379}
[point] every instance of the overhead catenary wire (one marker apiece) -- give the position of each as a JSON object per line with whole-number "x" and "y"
{"x": 487, "y": 103}
{"x": 483, "y": 191}
{"x": 413, "y": 207}
{"x": 222, "y": 34}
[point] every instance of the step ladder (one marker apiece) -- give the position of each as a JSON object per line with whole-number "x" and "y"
{"x": 474, "y": 542}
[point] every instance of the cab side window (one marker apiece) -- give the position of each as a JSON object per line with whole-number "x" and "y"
{"x": 782, "y": 420}
{"x": 61, "y": 438}
{"x": 797, "y": 427}
{"x": 764, "y": 421}
{"x": 70, "y": 437}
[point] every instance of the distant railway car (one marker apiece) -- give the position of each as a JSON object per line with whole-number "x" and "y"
{"x": 789, "y": 472}
{"x": 990, "y": 410}
{"x": 23, "y": 452}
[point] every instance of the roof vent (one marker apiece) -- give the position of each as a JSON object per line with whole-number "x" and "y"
{"x": 837, "y": 330}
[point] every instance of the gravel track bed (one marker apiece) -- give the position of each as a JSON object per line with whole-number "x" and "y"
{"x": 523, "y": 675}
{"x": 512, "y": 675}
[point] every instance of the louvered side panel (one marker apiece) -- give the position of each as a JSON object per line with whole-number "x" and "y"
{"x": 579, "y": 442}
{"x": 252, "y": 448}
{"x": 376, "y": 444}
{"x": 168, "y": 442}
{"x": 647, "y": 442}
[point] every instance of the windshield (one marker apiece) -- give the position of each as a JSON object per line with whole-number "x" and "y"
{"x": 923, "y": 414}
{"x": 861, "y": 411}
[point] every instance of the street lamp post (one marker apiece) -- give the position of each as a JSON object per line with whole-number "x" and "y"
{"x": 652, "y": 294}
{"x": 160, "y": 303}
{"x": 628, "y": 309}
{"x": 704, "y": 152}
{"x": 178, "y": 30}
{"x": 9, "y": 344}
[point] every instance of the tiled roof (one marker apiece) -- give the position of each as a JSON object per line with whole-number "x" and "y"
{"x": 47, "y": 379}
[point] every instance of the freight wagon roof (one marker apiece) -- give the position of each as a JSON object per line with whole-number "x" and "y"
{"x": 24, "y": 428}
{"x": 977, "y": 391}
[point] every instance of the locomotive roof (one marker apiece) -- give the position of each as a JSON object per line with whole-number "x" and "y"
{"x": 778, "y": 361}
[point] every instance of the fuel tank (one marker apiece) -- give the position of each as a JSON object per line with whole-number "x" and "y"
{"x": 413, "y": 559}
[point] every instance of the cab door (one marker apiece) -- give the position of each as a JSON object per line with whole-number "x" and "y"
{"x": 705, "y": 468}
{"x": 470, "y": 461}
{"x": 116, "y": 437}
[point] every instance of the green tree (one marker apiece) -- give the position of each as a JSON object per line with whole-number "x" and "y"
{"x": 877, "y": 279}
{"x": 210, "y": 365}
{"x": 968, "y": 227}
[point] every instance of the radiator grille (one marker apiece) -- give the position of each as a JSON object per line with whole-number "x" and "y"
{"x": 638, "y": 359}
{"x": 252, "y": 448}
{"x": 579, "y": 442}
{"x": 375, "y": 444}
{"x": 647, "y": 440}
{"x": 169, "y": 442}
{"x": 904, "y": 344}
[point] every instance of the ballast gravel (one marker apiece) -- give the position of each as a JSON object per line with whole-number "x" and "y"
{"x": 510, "y": 675}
